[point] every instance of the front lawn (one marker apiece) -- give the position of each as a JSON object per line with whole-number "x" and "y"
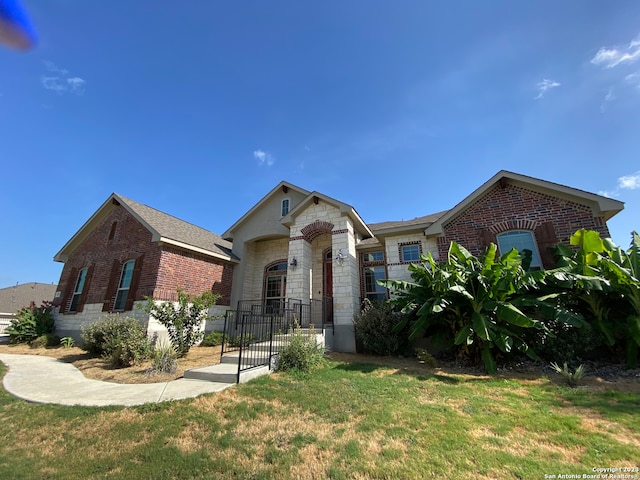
{"x": 345, "y": 420}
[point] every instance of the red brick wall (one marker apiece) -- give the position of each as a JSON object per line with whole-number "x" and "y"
{"x": 513, "y": 207}
{"x": 194, "y": 273}
{"x": 163, "y": 268}
{"x": 131, "y": 240}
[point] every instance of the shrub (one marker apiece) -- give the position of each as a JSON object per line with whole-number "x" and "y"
{"x": 214, "y": 338}
{"x": 183, "y": 319}
{"x": 572, "y": 378}
{"x": 120, "y": 338}
{"x": 67, "y": 342}
{"x": 30, "y": 323}
{"x": 302, "y": 353}
{"x": 245, "y": 340}
{"x": 164, "y": 359}
{"x": 46, "y": 340}
{"x": 375, "y": 333}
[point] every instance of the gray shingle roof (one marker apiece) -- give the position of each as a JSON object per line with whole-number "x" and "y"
{"x": 18, "y": 296}
{"x": 170, "y": 227}
{"x": 427, "y": 219}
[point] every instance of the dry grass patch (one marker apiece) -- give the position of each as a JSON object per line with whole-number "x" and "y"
{"x": 98, "y": 368}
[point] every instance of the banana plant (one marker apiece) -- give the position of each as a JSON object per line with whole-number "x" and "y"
{"x": 472, "y": 300}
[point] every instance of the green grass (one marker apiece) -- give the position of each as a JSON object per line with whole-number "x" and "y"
{"x": 341, "y": 421}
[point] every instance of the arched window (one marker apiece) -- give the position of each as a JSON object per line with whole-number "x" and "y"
{"x": 275, "y": 284}
{"x": 520, "y": 240}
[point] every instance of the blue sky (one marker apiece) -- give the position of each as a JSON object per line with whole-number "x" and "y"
{"x": 400, "y": 109}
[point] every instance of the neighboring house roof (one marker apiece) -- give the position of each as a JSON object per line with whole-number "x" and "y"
{"x": 164, "y": 228}
{"x": 14, "y": 298}
{"x": 228, "y": 235}
{"x": 600, "y": 205}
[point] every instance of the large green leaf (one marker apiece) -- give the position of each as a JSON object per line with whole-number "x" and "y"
{"x": 464, "y": 336}
{"x": 503, "y": 342}
{"x": 511, "y": 314}
{"x": 481, "y": 326}
{"x": 487, "y": 358}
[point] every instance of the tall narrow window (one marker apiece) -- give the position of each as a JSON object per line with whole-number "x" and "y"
{"x": 520, "y": 240}
{"x": 373, "y": 269}
{"x": 275, "y": 285}
{"x": 285, "y": 206}
{"x": 77, "y": 292}
{"x": 123, "y": 286}
{"x": 112, "y": 233}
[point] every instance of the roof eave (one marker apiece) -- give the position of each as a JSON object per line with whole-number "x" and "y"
{"x": 186, "y": 246}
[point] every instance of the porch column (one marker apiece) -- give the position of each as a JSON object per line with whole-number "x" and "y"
{"x": 346, "y": 288}
{"x": 299, "y": 276}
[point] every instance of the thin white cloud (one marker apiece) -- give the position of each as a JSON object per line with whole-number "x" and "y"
{"x": 264, "y": 158}
{"x": 609, "y": 97}
{"x": 52, "y": 67}
{"x": 614, "y": 56}
{"x": 630, "y": 182}
{"x": 626, "y": 182}
{"x": 545, "y": 85}
{"x": 61, "y": 82}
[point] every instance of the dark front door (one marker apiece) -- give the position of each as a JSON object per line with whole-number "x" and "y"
{"x": 327, "y": 280}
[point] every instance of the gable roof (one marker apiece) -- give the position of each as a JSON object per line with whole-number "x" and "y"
{"x": 14, "y": 298}
{"x": 600, "y": 205}
{"x": 228, "y": 234}
{"x": 345, "y": 209}
{"x": 418, "y": 223}
{"x": 164, "y": 228}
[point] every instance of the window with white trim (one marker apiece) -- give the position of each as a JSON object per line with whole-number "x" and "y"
{"x": 77, "y": 292}
{"x": 124, "y": 285}
{"x": 285, "y": 207}
{"x": 520, "y": 240}
{"x": 373, "y": 269}
{"x": 410, "y": 253}
{"x": 275, "y": 285}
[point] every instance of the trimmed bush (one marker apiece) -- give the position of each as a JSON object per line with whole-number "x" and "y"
{"x": 214, "y": 338}
{"x": 375, "y": 333}
{"x": 302, "y": 353}
{"x": 30, "y": 323}
{"x": 46, "y": 340}
{"x": 120, "y": 338}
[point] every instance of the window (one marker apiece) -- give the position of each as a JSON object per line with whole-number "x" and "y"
{"x": 520, "y": 240}
{"x": 123, "y": 286}
{"x": 112, "y": 232}
{"x": 285, "y": 206}
{"x": 410, "y": 253}
{"x": 373, "y": 257}
{"x": 77, "y": 292}
{"x": 373, "y": 269}
{"x": 275, "y": 285}
{"x": 372, "y": 290}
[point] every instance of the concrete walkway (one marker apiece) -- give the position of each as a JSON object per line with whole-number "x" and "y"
{"x": 46, "y": 380}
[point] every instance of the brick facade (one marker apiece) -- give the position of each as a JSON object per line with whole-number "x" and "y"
{"x": 119, "y": 238}
{"x": 509, "y": 207}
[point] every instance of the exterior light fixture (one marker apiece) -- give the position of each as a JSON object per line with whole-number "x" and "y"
{"x": 294, "y": 263}
{"x": 341, "y": 257}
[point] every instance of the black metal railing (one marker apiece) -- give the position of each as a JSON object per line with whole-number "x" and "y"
{"x": 256, "y": 331}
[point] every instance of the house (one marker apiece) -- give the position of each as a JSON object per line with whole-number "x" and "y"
{"x": 302, "y": 248}
{"x": 14, "y": 298}
{"x": 127, "y": 251}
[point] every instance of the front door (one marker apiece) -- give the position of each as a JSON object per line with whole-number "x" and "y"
{"x": 327, "y": 282}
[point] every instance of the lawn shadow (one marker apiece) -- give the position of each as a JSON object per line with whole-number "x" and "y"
{"x": 418, "y": 372}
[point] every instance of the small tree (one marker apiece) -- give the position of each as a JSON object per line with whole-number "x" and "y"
{"x": 183, "y": 318}
{"x": 30, "y": 323}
